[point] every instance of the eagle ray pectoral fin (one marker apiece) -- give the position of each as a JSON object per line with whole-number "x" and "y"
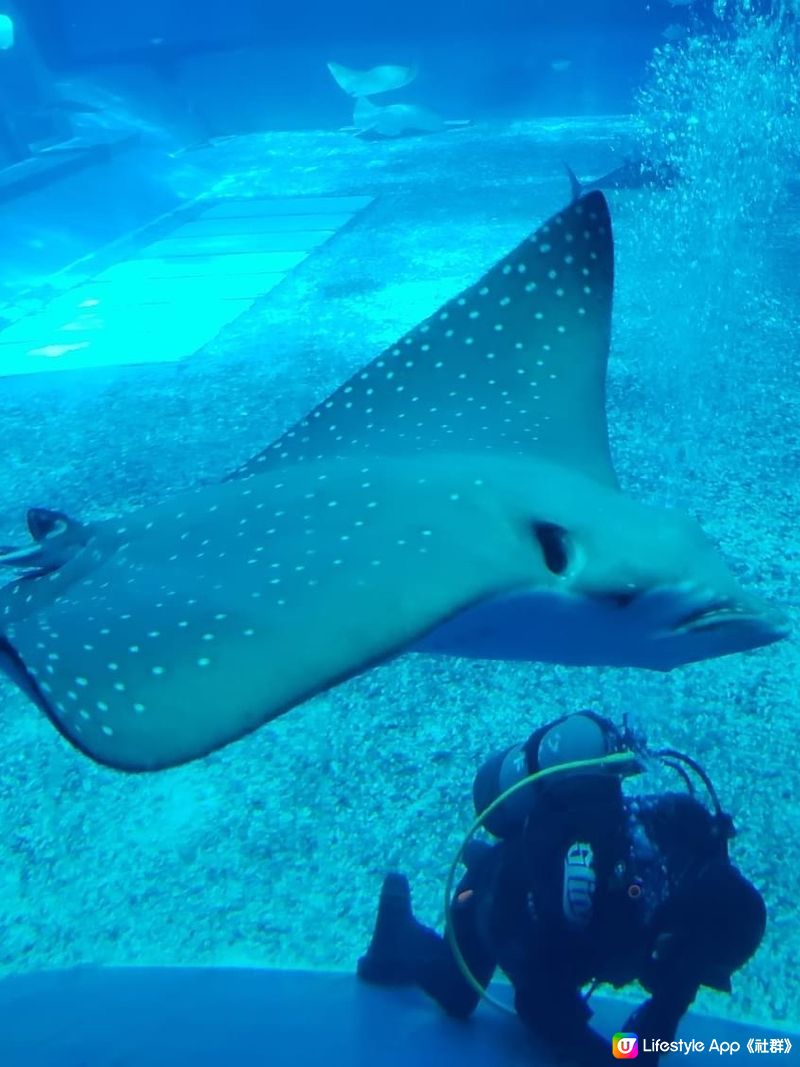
{"x": 209, "y": 621}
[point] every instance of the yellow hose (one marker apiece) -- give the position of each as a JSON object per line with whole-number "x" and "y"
{"x": 561, "y": 768}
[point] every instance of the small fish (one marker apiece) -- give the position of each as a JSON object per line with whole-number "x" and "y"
{"x": 360, "y": 83}
{"x": 632, "y": 174}
{"x": 394, "y": 120}
{"x": 560, "y": 65}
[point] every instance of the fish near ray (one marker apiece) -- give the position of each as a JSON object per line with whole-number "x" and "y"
{"x": 455, "y": 496}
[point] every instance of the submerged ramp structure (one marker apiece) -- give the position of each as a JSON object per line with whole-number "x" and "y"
{"x": 175, "y": 294}
{"x": 160, "y": 1017}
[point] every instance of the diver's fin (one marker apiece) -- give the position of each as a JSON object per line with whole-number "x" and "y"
{"x": 392, "y": 952}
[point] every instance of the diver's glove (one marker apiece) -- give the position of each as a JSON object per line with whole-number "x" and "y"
{"x": 388, "y": 960}
{"x": 656, "y": 1018}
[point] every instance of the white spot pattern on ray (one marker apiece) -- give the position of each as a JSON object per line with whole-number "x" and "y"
{"x": 195, "y": 577}
{"x": 536, "y": 300}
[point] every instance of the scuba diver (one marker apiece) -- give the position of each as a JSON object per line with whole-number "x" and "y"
{"x": 585, "y": 885}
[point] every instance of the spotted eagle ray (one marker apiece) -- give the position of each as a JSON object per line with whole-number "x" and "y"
{"x": 394, "y": 120}
{"x": 369, "y": 82}
{"x": 456, "y": 496}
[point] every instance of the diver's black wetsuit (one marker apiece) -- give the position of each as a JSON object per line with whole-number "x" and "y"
{"x": 668, "y": 909}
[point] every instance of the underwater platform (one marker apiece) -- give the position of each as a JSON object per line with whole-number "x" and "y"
{"x": 57, "y": 161}
{"x": 131, "y": 255}
{"x": 176, "y": 292}
{"x": 163, "y": 1016}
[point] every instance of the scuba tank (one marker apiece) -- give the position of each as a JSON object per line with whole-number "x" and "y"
{"x": 581, "y": 737}
{"x": 575, "y": 738}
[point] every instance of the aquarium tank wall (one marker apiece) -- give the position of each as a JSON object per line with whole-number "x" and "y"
{"x": 398, "y": 508}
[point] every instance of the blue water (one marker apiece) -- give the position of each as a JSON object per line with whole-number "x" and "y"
{"x": 473, "y": 60}
{"x": 270, "y": 852}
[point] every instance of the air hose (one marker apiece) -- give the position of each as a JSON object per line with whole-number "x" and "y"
{"x": 617, "y": 760}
